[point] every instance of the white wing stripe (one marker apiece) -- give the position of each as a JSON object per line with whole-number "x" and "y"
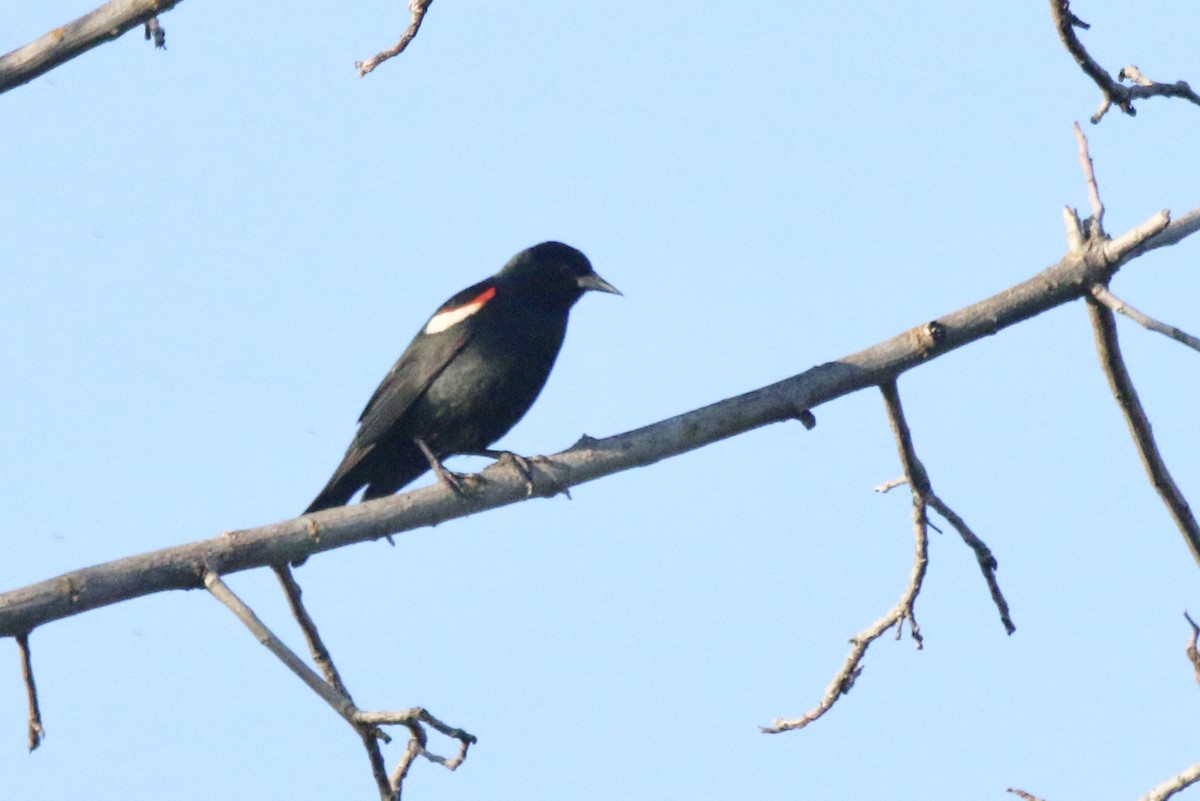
{"x": 449, "y": 318}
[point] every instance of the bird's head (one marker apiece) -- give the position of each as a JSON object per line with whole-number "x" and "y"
{"x": 557, "y": 272}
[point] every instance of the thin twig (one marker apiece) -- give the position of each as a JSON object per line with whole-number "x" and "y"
{"x": 1105, "y": 296}
{"x": 332, "y": 694}
{"x": 1023, "y": 795}
{"x": 417, "y": 745}
{"x": 367, "y": 724}
{"x": 891, "y": 484}
{"x": 852, "y": 667}
{"x": 37, "y": 732}
{"x": 341, "y": 703}
{"x": 987, "y": 561}
{"x": 316, "y": 646}
{"x": 418, "y": 9}
{"x": 1123, "y": 96}
{"x": 1193, "y": 654}
{"x": 370, "y": 735}
{"x": 1096, "y": 229}
{"x": 1105, "y": 327}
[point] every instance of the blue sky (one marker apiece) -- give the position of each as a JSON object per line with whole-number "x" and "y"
{"x": 209, "y": 257}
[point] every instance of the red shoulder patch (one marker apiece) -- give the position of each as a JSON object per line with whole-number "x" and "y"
{"x": 450, "y": 316}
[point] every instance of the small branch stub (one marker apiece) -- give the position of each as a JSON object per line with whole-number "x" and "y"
{"x": 1193, "y": 654}
{"x": 37, "y": 732}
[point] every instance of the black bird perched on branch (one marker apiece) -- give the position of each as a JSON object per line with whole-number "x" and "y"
{"x": 467, "y": 377}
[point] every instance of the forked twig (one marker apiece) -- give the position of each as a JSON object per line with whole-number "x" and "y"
{"x": 918, "y": 480}
{"x": 367, "y": 724}
{"x": 1123, "y": 96}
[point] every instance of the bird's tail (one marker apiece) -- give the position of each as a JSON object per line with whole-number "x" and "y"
{"x": 381, "y": 475}
{"x": 335, "y": 493}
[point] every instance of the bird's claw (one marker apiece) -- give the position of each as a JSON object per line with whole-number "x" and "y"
{"x": 457, "y": 482}
{"x": 523, "y": 466}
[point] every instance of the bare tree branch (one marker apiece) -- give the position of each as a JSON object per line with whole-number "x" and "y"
{"x": 184, "y": 566}
{"x": 1123, "y": 96}
{"x": 104, "y": 24}
{"x": 1105, "y": 296}
{"x": 1174, "y": 784}
{"x": 367, "y": 724}
{"x": 983, "y": 554}
{"x": 370, "y": 735}
{"x": 320, "y": 654}
{"x": 852, "y": 667}
{"x": 923, "y": 496}
{"x": 1105, "y": 327}
{"x": 418, "y": 9}
{"x": 340, "y": 702}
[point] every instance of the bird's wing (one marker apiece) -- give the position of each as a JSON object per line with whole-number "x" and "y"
{"x": 447, "y": 332}
{"x": 416, "y": 369}
{"x": 443, "y": 337}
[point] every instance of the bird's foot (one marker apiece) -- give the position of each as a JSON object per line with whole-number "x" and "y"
{"x": 456, "y": 482}
{"x": 524, "y": 466}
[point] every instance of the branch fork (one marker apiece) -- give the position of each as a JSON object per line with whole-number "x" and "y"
{"x": 332, "y": 690}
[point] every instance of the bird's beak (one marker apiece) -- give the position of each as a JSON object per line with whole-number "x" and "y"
{"x": 596, "y": 284}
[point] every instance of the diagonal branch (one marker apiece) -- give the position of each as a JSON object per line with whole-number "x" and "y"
{"x": 320, "y": 654}
{"x": 983, "y": 554}
{"x": 366, "y": 724}
{"x": 371, "y": 735}
{"x": 1105, "y": 296}
{"x": 1105, "y": 327}
{"x": 418, "y": 8}
{"x": 1123, "y": 96}
{"x": 183, "y": 566}
{"x": 1024, "y": 796}
{"x": 340, "y": 702}
{"x": 1173, "y": 785}
{"x": 104, "y": 24}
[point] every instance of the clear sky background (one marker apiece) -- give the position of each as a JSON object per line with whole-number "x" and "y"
{"x": 209, "y": 257}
